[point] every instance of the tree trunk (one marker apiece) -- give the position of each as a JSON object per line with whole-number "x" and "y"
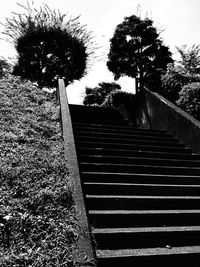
{"x": 141, "y": 79}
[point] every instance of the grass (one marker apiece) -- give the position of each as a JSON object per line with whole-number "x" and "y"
{"x": 37, "y": 224}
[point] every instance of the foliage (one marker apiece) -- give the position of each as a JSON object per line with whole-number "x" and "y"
{"x": 37, "y": 225}
{"x": 97, "y": 95}
{"x": 5, "y": 67}
{"x": 190, "y": 59}
{"x": 48, "y": 45}
{"x": 173, "y": 81}
{"x": 117, "y": 98}
{"x": 190, "y": 99}
{"x": 137, "y": 51}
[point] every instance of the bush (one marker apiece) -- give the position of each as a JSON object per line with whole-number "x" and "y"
{"x": 173, "y": 81}
{"x": 36, "y": 206}
{"x": 190, "y": 99}
{"x": 96, "y": 96}
{"x": 117, "y": 98}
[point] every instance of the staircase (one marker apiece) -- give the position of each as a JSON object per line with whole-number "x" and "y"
{"x": 142, "y": 192}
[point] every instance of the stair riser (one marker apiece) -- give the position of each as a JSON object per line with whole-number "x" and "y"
{"x": 133, "y": 147}
{"x": 146, "y": 179}
{"x": 143, "y": 220}
{"x": 180, "y": 260}
{"x": 138, "y": 161}
{"x": 147, "y": 240}
{"x": 141, "y": 190}
{"x": 141, "y": 204}
{"x": 122, "y": 129}
{"x": 132, "y": 153}
{"x": 130, "y": 136}
{"x": 138, "y": 169}
{"x": 127, "y": 141}
{"x": 96, "y": 115}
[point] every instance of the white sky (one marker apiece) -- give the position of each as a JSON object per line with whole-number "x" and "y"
{"x": 179, "y": 18}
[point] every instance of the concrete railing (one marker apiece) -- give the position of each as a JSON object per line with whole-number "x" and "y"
{"x": 84, "y": 247}
{"x": 153, "y": 111}
{"x": 165, "y": 115}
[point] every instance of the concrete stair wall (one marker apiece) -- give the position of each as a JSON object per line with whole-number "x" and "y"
{"x": 142, "y": 191}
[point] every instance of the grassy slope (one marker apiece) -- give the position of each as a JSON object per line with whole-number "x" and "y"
{"x": 37, "y": 227}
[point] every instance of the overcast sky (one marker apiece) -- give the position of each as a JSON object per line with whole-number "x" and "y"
{"x": 180, "y": 20}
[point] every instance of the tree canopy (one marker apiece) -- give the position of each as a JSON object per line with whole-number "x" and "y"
{"x": 173, "y": 81}
{"x": 48, "y": 45}
{"x": 137, "y": 51}
{"x": 189, "y": 99}
{"x": 182, "y": 72}
{"x": 190, "y": 59}
{"x": 98, "y": 94}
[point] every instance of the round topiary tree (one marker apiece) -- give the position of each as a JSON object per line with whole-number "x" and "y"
{"x": 48, "y": 46}
{"x": 189, "y": 99}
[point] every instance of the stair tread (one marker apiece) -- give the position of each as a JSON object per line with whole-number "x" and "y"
{"x": 116, "y": 126}
{"x": 144, "y": 185}
{"x": 147, "y": 251}
{"x": 128, "y": 135}
{"x": 139, "y": 174}
{"x": 128, "y": 230}
{"x": 137, "y": 158}
{"x": 141, "y": 197}
{"x": 126, "y": 140}
{"x": 141, "y": 166}
{"x": 149, "y": 153}
{"x": 130, "y": 212}
{"x": 137, "y": 147}
{"x": 128, "y": 144}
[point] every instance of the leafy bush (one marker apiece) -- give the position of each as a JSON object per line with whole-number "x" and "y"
{"x": 173, "y": 81}
{"x": 97, "y": 95}
{"x": 37, "y": 225}
{"x": 117, "y": 98}
{"x": 5, "y": 67}
{"x": 190, "y": 99}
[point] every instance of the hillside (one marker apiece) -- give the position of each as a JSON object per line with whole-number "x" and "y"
{"x": 37, "y": 225}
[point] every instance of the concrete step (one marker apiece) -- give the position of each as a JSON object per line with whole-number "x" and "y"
{"x": 147, "y": 257}
{"x": 129, "y": 142}
{"x": 140, "y": 178}
{"x": 89, "y": 114}
{"x": 142, "y": 192}
{"x": 118, "y": 129}
{"x": 146, "y": 237}
{"x": 100, "y": 188}
{"x": 136, "y": 153}
{"x": 143, "y": 218}
{"x": 128, "y": 136}
{"x": 139, "y": 147}
{"x": 139, "y": 202}
{"x": 138, "y": 160}
{"x": 133, "y": 168}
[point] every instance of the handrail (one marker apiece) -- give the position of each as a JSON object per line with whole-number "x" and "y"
{"x": 84, "y": 248}
{"x": 165, "y": 115}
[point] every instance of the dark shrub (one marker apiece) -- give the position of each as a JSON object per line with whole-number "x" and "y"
{"x": 190, "y": 99}
{"x": 117, "y": 98}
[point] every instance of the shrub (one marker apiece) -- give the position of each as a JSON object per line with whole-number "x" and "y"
{"x": 96, "y": 96}
{"x": 117, "y": 98}
{"x": 173, "y": 81}
{"x": 190, "y": 99}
